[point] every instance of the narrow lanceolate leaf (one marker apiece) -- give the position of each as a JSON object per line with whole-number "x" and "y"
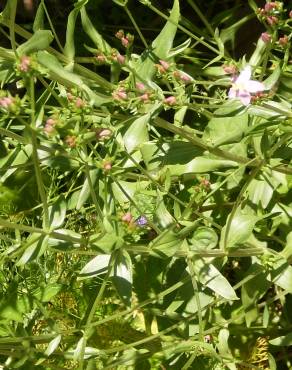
{"x": 285, "y": 340}
{"x": 53, "y": 345}
{"x": 161, "y": 46}
{"x": 85, "y": 191}
{"x": 122, "y": 276}
{"x": 57, "y": 213}
{"x": 98, "y": 265}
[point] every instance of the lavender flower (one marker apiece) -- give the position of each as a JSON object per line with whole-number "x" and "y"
{"x": 243, "y": 86}
{"x": 141, "y": 221}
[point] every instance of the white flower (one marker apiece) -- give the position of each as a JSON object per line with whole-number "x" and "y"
{"x": 243, "y": 86}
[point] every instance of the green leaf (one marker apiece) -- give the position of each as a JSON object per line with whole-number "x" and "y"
{"x": 226, "y": 129}
{"x": 281, "y": 274}
{"x": 85, "y": 191}
{"x": 260, "y": 192}
{"x": 57, "y": 213}
{"x": 161, "y": 46}
{"x": 162, "y": 215}
{"x": 240, "y": 229}
{"x": 98, "y": 265}
{"x": 257, "y": 55}
{"x": 283, "y": 341}
{"x": 122, "y": 276}
{"x": 137, "y": 133}
{"x": 38, "y": 23}
{"x": 165, "y": 244}
{"x": 203, "y": 238}
{"x": 36, "y": 246}
{"x": 53, "y": 345}
{"x": 273, "y": 78}
{"x": 209, "y": 276}
{"x": 40, "y": 40}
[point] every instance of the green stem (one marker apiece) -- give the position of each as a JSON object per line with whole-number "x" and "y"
{"x": 201, "y": 15}
{"x": 136, "y": 27}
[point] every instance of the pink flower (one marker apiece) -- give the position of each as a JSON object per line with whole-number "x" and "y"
{"x": 120, "y": 94}
{"x": 125, "y": 42}
{"x": 243, "y": 86}
{"x": 266, "y": 37}
{"x": 171, "y": 100}
{"x": 270, "y": 6}
{"x": 24, "y": 63}
{"x": 127, "y": 217}
{"x": 79, "y": 103}
{"x": 144, "y": 97}
{"x": 283, "y": 41}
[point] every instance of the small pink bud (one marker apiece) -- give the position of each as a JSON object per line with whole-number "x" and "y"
{"x": 145, "y": 97}
{"x": 6, "y": 102}
{"x": 140, "y": 86}
{"x": 121, "y": 59}
{"x": 127, "y": 217}
{"x": 125, "y": 41}
{"x": 107, "y": 166}
{"x": 79, "y": 103}
{"x": 104, "y": 133}
{"x": 70, "y": 97}
{"x": 70, "y": 141}
{"x": 119, "y": 34}
{"x": 171, "y": 100}
{"x": 229, "y": 69}
{"x": 24, "y": 63}
{"x": 164, "y": 64}
{"x": 185, "y": 78}
{"x": 270, "y": 6}
{"x": 120, "y": 95}
{"x": 100, "y": 58}
{"x": 272, "y": 20}
{"x": 50, "y": 122}
{"x": 290, "y": 14}
{"x": 266, "y": 37}
{"x": 49, "y": 129}
{"x": 283, "y": 41}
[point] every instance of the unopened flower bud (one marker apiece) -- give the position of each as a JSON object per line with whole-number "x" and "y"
{"x": 100, "y": 58}
{"x": 272, "y": 20}
{"x": 266, "y": 37}
{"x": 121, "y": 58}
{"x": 125, "y": 42}
{"x": 270, "y": 6}
{"x": 25, "y": 62}
{"x": 290, "y": 14}
{"x": 164, "y": 64}
{"x": 119, "y": 34}
{"x": 50, "y": 122}
{"x": 283, "y": 41}
{"x": 104, "y": 133}
{"x": 229, "y": 69}
{"x": 107, "y": 166}
{"x": 120, "y": 94}
{"x": 127, "y": 217}
{"x": 140, "y": 86}
{"x": 144, "y": 97}
{"x": 70, "y": 97}
{"x": 6, "y": 102}
{"x": 79, "y": 103}
{"x": 49, "y": 129}
{"x": 70, "y": 141}
{"x": 171, "y": 100}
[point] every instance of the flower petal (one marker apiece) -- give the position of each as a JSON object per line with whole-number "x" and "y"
{"x": 254, "y": 86}
{"x": 244, "y": 75}
{"x": 244, "y": 97}
{"x": 232, "y": 93}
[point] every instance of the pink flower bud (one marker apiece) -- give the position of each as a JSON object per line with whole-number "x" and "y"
{"x": 24, "y": 63}
{"x": 229, "y": 69}
{"x": 164, "y": 64}
{"x": 127, "y": 217}
{"x": 283, "y": 41}
{"x": 270, "y": 6}
{"x": 104, "y": 133}
{"x": 50, "y": 122}
{"x": 120, "y": 94}
{"x": 144, "y": 97}
{"x": 70, "y": 141}
{"x": 125, "y": 42}
{"x": 185, "y": 78}
{"x": 290, "y": 14}
{"x": 107, "y": 166}
{"x": 140, "y": 86}
{"x": 70, "y": 97}
{"x": 49, "y": 129}
{"x": 266, "y": 37}
{"x": 79, "y": 103}
{"x": 6, "y": 102}
{"x": 100, "y": 58}
{"x": 119, "y": 34}
{"x": 171, "y": 100}
{"x": 272, "y": 20}
{"x": 121, "y": 59}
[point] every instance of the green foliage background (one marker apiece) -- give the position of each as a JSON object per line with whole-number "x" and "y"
{"x": 145, "y": 218}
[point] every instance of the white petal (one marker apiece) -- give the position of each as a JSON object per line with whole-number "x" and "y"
{"x": 254, "y": 86}
{"x": 232, "y": 93}
{"x": 244, "y": 98}
{"x": 244, "y": 75}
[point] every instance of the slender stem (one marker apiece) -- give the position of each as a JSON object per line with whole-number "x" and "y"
{"x": 13, "y": 5}
{"x": 136, "y": 27}
{"x": 52, "y": 26}
{"x": 201, "y": 15}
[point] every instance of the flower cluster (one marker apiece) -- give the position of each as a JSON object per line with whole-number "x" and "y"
{"x": 126, "y": 40}
{"x": 271, "y": 12}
